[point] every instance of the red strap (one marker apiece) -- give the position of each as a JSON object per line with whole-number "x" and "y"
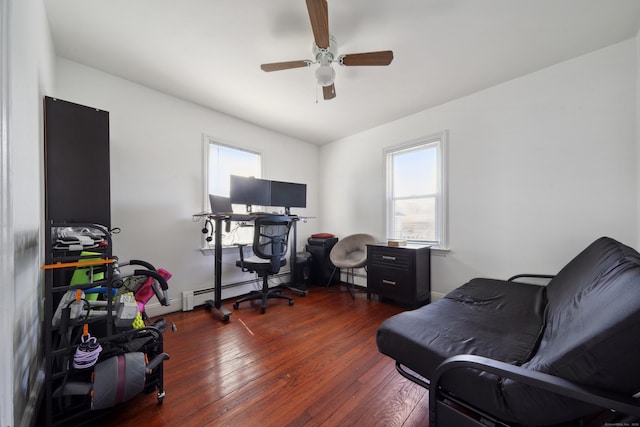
{"x": 120, "y": 378}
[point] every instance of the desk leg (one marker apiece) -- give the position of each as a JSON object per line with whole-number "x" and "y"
{"x": 292, "y": 261}
{"x": 215, "y": 304}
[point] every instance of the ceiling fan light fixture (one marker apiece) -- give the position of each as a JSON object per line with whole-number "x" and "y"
{"x": 325, "y": 75}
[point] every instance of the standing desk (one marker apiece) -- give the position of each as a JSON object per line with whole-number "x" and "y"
{"x": 215, "y": 304}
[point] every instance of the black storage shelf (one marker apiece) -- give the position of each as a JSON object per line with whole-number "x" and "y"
{"x": 58, "y": 271}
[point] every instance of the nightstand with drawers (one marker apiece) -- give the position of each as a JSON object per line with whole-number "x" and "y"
{"x": 400, "y": 273}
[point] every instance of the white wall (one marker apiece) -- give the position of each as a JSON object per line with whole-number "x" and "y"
{"x": 30, "y": 75}
{"x": 539, "y": 167}
{"x": 157, "y": 171}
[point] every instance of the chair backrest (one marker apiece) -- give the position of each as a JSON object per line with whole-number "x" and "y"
{"x": 271, "y": 238}
{"x": 352, "y": 248}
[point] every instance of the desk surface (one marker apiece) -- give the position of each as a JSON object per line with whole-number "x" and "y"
{"x": 233, "y": 216}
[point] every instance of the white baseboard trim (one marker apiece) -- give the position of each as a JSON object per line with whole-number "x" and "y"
{"x": 191, "y": 299}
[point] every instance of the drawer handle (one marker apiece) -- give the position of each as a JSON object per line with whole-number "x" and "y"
{"x": 388, "y": 282}
{"x": 387, "y": 257}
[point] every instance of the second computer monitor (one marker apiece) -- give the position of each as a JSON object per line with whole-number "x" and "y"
{"x": 288, "y": 194}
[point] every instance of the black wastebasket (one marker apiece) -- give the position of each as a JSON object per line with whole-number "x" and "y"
{"x": 303, "y": 266}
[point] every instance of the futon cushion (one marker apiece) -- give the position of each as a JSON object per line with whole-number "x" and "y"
{"x": 492, "y": 318}
{"x": 590, "y": 337}
{"x": 583, "y": 326}
{"x": 592, "y": 331}
{"x": 584, "y": 272}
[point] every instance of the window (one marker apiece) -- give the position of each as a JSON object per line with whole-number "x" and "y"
{"x": 224, "y": 161}
{"x": 220, "y": 162}
{"x": 416, "y": 205}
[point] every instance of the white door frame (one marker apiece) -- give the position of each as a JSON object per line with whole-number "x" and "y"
{"x": 7, "y": 279}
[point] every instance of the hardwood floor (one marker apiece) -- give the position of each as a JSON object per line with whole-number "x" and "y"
{"x": 311, "y": 364}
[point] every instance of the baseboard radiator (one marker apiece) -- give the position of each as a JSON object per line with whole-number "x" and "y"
{"x": 194, "y": 298}
{"x": 197, "y": 297}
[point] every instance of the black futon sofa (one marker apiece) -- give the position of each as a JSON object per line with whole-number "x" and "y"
{"x": 512, "y": 353}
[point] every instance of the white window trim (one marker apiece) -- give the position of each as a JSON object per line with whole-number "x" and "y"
{"x": 208, "y": 247}
{"x": 208, "y": 140}
{"x": 443, "y": 139}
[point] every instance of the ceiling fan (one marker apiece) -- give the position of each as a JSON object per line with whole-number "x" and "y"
{"x": 325, "y": 49}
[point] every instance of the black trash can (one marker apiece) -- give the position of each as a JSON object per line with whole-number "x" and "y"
{"x": 303, "y": 267}
{"x": 321, "y": 266}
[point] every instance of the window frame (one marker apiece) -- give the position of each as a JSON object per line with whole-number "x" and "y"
{"x": 208, "y": 142}
{"x": 439, "y": 139}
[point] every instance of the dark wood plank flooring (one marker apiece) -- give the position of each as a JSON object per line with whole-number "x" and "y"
{"x": 311, "y": 364}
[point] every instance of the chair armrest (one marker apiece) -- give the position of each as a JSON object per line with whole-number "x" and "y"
{"x": 530, "y": 276}
{"x": 621, "y": 403}
{"x": 241, "y": 250}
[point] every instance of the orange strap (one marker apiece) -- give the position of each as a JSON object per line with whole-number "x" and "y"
{"x": 77, "y": 264}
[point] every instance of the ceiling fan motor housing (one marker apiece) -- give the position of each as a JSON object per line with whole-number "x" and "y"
{"x": 327, "y": 55}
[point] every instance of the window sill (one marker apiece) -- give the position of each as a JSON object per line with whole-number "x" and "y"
{"x": 440, "y": 251}
{"x": 435, "y": 250}
{"x": 225, "y": 249}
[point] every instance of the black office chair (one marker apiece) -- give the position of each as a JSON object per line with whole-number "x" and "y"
{"x": 270, "y": 240}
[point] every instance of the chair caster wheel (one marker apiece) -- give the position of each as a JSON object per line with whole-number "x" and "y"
{"x": 290, "y": 302}
{"x": 263, "y": 310}
{"x": 236, "y": 305}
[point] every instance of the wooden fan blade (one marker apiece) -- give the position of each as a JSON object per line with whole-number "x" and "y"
{"x": 329, "y": 92}
{"x": 383, "y": 57}
{"x": 277, "y": 66}
{"x": 319, "y": 16}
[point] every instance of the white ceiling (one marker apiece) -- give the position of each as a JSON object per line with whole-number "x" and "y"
{"x": 209, "y": 51}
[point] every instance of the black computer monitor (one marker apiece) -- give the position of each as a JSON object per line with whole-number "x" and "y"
{"x": 288, "y": 195}
{"x": 250, "y": 191}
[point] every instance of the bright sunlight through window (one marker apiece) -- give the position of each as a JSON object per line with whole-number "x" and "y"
{"x": 416, "y": 197}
